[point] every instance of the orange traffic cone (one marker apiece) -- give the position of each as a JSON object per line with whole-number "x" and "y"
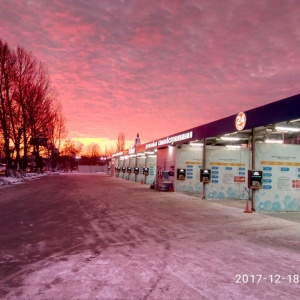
{"x": 171, "y": 188}
{"x": 247, "y": 210}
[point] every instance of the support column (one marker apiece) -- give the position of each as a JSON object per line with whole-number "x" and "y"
{"x": 253, "y": 167}
{"x": 204, "y": 166}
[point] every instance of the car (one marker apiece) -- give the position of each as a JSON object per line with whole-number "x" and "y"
{"x": 2, "y": 169}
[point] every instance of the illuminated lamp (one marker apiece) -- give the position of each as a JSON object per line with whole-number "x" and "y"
{"x": 275, "y": 138}
{"x": 196, "y": 144}
{"x": 233, "y": 147}
{"x": 287, "y": 129}
{"x": 149, "y": 152}
{"x": 229, "y": 138}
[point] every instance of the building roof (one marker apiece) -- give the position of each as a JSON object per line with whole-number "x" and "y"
{"x": 281, "y": 111}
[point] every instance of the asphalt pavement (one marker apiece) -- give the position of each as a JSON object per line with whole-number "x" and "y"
{"x": 91, "y": 236}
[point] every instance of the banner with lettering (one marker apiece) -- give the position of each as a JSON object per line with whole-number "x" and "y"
{"x": 281, "y": 177}
{"x": 228, "y": 173}
{"x": 190, "y": 159}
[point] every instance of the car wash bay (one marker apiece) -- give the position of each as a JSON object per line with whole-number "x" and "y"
{"x": 253, "y": 156}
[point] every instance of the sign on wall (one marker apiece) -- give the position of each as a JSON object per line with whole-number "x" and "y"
{"x": 190, "y": 159}
{"x": 240, "y": 121}
{"x": 228, "y": 173}
{"x": 281, "y": 177}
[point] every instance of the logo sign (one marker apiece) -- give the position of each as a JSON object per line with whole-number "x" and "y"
{"x": 240, "y": 121}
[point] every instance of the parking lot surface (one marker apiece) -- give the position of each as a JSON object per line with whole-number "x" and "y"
{"x": 84, "y": 236}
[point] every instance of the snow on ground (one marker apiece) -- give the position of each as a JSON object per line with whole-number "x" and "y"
{"x": 31, "y": 176}
{"x": 141, "y": 244}
{"x": 19, "y": 179}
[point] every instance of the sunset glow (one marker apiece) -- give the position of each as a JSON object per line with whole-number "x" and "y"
{"x": 105, "y": 144}
{"x": 158, "y": 67}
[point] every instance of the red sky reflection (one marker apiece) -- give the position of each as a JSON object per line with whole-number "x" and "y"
{"x": 158, "y": 67}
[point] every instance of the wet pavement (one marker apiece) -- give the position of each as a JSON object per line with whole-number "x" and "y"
{"x": 82, "y": 236}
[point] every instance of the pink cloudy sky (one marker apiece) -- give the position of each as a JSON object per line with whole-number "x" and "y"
{"x": 158, "y": 67}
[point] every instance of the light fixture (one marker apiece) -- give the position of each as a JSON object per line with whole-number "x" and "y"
{"x": 233, "y": 147}
{"x": 149, "y": 152}
{"x": 287, "y": 129}
{"x": 273, "y": 141}
{"x": 275, "y": 138}
{"x": 196, "y": 144}
{"x": 229, "y": 138}
{"x": 292, "y": 121}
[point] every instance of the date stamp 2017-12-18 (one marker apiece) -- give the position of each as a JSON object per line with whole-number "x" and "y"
{"x": 258, "y": 278}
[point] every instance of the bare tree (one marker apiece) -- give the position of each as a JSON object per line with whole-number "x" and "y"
{"x": 59, "y": 131}
{"x": 55, "y": 133}
{"x": 110, "y": 151}
{"x": 72, "y": 148}
{"x": 92, "y": 150}
{"x": 120, "y": 142}
{"x": 29, "y": 109}
{"x": 69, "y": 154}
{"x": 1, "y": 148}
{"x": 24, "y": 83}
{"x": 39, "y": 110}
{"x": 7, "y": 61}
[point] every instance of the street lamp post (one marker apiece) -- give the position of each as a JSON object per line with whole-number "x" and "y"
{"x": 78, "y": 158}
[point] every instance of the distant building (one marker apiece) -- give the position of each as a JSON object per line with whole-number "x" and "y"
{"x": 137, "y": 140}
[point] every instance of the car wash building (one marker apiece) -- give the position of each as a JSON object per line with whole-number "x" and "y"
{"x": 253, "y": 155}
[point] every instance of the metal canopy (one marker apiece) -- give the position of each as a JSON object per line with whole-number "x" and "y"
{"x": 263, "y": 119}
